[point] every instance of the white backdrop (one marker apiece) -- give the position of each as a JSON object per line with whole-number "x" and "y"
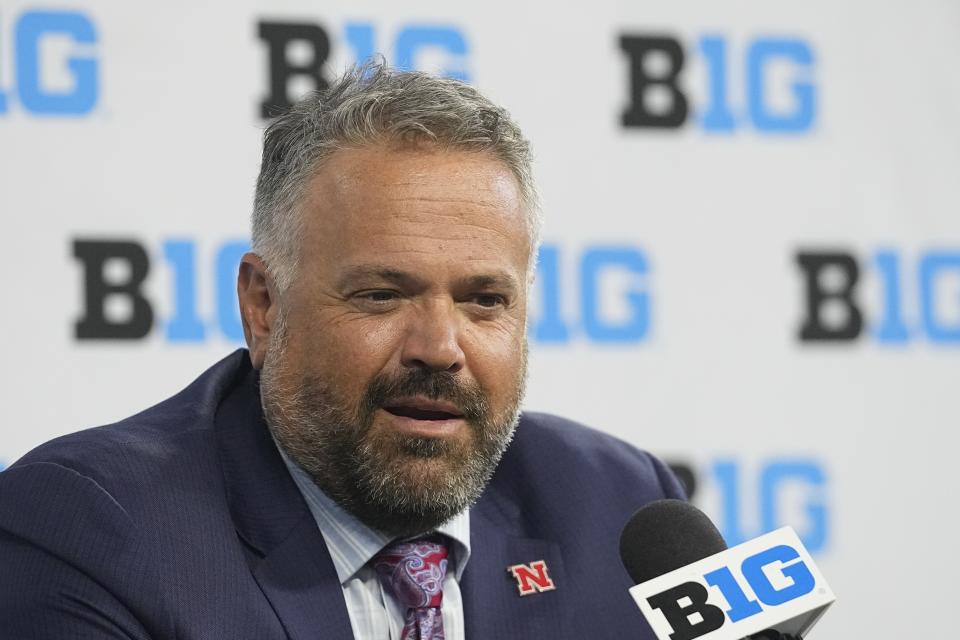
{"x": 671, "y": 253}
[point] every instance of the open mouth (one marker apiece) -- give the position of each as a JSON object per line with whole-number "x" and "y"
{"x": 418, "y": 409}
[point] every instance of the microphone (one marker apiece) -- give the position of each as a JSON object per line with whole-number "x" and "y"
{"x": 689, "y": 585}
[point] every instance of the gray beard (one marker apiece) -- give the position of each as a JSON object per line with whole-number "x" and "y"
{"x": 398, "y": 484}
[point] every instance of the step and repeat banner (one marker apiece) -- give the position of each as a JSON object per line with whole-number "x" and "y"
{"x": 751, "y": 256}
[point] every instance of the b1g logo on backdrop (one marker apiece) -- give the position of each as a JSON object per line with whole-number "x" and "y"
{"x": 916, "y": 296}
{"x": 599, "y": 294}
{"x": 765, "y": 83}
{"x": 116, "y": 307}
{"x": 749, "y": 499}
{"x": 298, "y": 51}
{"x": 53, "y": 59}
{"x": 613, "y": 304}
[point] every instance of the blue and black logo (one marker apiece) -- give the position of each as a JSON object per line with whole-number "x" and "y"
{"x": 753, "y": 498}
{"x": 658, "y": 98}
{"x": 915, "y": 296}
{"x": 687, "y": 609}
{"x": 44, "y": 84}
{"x": 298, "y": 51}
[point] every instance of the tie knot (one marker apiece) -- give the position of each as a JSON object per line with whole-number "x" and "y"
{"x": 413, "y": 571}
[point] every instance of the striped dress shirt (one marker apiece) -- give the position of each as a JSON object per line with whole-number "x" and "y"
{"x": 374, "y": 614}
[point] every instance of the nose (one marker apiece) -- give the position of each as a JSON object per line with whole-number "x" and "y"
{"x": 433, "y": 339}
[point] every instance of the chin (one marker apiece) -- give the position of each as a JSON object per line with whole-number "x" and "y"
{"x": 426, "y": 480}
{"x": 414, "y": 493}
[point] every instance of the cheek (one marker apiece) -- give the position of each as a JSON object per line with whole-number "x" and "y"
{"x": 350, "y": 352}
{"x": 495, "y": 360}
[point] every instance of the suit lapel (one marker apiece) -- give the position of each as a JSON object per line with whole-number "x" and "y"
{"x": 492, "y": 604}
{"x": 290, "y": 560}
{"x": 299, "y": 579}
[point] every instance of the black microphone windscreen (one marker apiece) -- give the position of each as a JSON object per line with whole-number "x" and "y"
{"x": 666, "y": 535}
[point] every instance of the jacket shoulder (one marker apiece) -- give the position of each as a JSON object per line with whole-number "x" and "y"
{"x": 111, "y": 481}
{"x": 563, "y": 446}
{"x": 155, "y": 434}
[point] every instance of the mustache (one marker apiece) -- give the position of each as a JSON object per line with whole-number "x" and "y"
{"x": 469, "y": 398}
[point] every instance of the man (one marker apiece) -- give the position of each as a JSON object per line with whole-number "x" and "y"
{"x": 353, "y": 474}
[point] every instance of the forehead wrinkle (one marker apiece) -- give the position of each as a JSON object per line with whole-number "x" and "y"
{"x": 453, "y": 236}
{"x": 485, "y": 217}
{"x": 448, "y": 200}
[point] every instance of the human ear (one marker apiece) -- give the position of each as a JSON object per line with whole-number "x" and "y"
{"x": 259, "y": 305}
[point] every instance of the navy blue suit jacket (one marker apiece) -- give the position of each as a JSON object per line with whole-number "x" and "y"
{"x": 183, "y": 522}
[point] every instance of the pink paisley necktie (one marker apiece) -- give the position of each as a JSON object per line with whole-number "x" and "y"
{"x": 413, "y": 573}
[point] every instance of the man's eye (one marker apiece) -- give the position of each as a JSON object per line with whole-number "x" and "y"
{"x": 378, "y": 296}
{"x": 489, "y": 300}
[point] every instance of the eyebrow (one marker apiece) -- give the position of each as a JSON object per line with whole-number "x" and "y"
{"x": 497, "y": 280}
{"x": 376, "y": 272}
{"x": 493, "y": 281}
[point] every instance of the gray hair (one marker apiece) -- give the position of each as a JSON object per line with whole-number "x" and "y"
{"x": 374, "y": 105}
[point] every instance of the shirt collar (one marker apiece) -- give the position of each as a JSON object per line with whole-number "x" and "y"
{"x": 351, "y": 543}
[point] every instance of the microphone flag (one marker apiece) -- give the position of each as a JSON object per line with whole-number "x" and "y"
{"x": 768, "y": 583}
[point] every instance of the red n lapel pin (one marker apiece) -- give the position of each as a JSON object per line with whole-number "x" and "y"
{"x": 532, "y": 578}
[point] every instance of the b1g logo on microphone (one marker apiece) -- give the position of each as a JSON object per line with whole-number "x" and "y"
{"x": 298, "y": 53}
{"x": 912, "y": 297}
{"x": 766, "y": 83}
{"x": 769, "y": 582}
{"x": 54, "y": 64}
